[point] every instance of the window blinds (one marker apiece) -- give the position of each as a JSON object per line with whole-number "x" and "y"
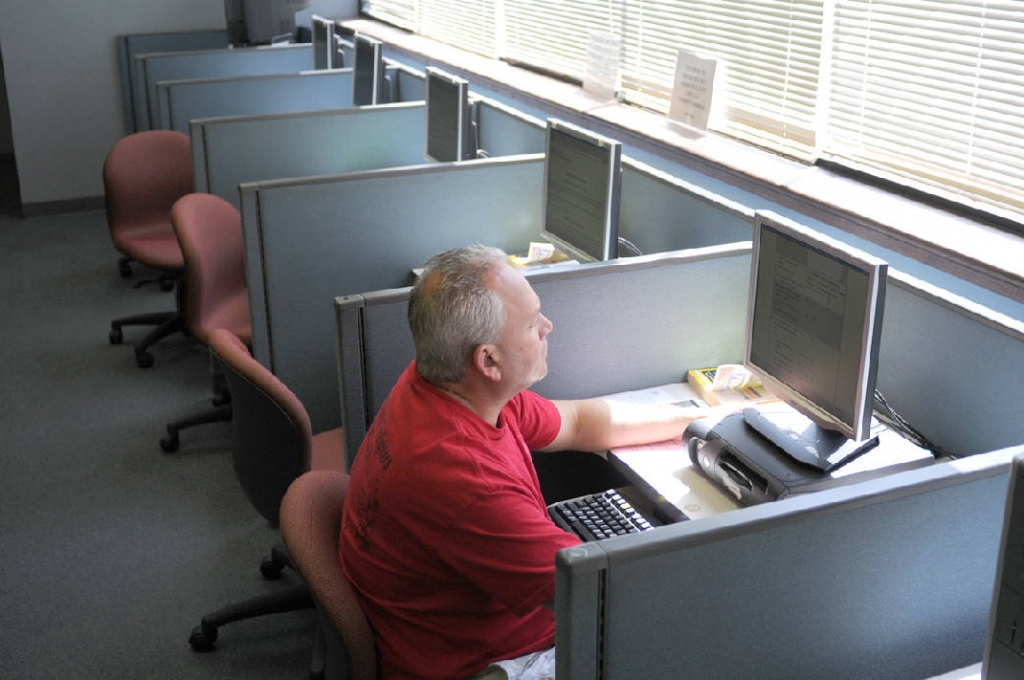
{"x": 930, "y": 90}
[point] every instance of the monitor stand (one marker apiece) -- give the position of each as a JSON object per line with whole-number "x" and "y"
{"x": 802, "y": 439}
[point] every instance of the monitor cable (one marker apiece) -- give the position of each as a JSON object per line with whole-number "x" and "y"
{"x": 885, "y": 413}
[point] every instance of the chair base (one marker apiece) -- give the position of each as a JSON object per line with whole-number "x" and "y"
{"x": 294, "y": 598}
{"x": 167, "y": 323}
{"x": 221, "y": 412}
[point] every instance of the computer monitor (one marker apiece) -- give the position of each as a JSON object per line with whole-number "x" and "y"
{"x": 450, "y": 129}
{"x": 268, "y": 20}
{"x": 814, "y": 320}
{"x": 368, "y": 83}
{"x": 582, "y": 183}
{"x": 323, "y": 42}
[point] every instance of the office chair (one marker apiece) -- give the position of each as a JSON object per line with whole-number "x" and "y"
{"x": 310, "y": 522}
{"x": 143, "y": 175}
{"x": 209, "y": 232}
{"x": 273, "y": 445}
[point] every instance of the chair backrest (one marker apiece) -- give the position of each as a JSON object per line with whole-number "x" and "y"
{"x": 272, "y": 434}
{"x": 209, "y": 230}
{"x": 310, "y": 522}
{"x": 143, "y": 175}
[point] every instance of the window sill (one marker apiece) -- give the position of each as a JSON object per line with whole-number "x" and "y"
{"x": 967, "y": 249}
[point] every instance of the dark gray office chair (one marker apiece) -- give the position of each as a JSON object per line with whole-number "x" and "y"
{"x": 273, "y": 445}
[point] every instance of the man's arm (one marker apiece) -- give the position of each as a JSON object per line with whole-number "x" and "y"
{"x": 598, "y": 425}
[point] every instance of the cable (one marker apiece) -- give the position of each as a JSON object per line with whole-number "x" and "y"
{"x": 894, "y": 420}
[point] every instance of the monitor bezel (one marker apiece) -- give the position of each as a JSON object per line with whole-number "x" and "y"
{"x": 612, "y": 191}
{"x": 871, "y": 326}
{"x": 323, "y": 41}
{"x": 464, "y": 138}
{"x": 363, "y": 45}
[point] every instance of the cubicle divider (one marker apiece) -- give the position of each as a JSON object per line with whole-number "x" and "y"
{"x": 888, "y": 578}
{"x": 310, "y": 240}
{"x": 182, "y": 101}
{"x": 620, "y": 325}
{"x": 156, "y": 67}
{"x": 656, "y": 208}
{"x": 371, "y": 228}
{"x": 132, "y": 45}
{"x": 228, "y": 151}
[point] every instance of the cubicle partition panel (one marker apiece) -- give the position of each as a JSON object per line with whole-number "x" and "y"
{"x": 181, "y": 101}
{"x": 504, "y": 131}
{"x": 230, "y": 151}
{"x": 158, "y": 67}
{"x": 619, "y": 325}
{"x": 950, "y": 367}
{"x": 890, "y": 578}
{"x": 308, "y": 241}
{"x": 658, "y": 212}
{"x": 135, "y": 44}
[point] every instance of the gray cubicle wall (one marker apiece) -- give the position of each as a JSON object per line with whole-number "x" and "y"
{"x": 229, "y": 151}
{"x": 620, "y": 325}
{"x": 132, "y": 45}
{"x": 181, "y": 101}
{"x": 922, "y": 373}
{"x": 309, "y": 240}
{"x": 890, "y": 578}
{"x": 950, "y": 367}
{"x": 405, "y": 216}
{"x": 158, "y": 67}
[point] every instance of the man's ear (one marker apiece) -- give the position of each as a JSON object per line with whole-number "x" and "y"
{"x": 487, "y": 360}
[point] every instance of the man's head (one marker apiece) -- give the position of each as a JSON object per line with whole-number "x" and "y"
{"x": 470, "y": 308}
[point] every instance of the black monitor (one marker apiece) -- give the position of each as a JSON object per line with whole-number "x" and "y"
{"x": 368, "y": 84}
{"x": 582, "y": 182}
{"x": 323, "y": 42}
{"x": 268, "y": 21}
{"x": 814, "y": 321}
{"x": 450, "y": 129}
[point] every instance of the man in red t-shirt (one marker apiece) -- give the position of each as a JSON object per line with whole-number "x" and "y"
{"x": 446, "y": 536}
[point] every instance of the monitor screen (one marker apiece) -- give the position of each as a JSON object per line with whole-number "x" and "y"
{"x": 814, "y": 320}
{"x": 368, "y": 72}
{"x": 582, "y": 180}
{"x": 449, "y": 126}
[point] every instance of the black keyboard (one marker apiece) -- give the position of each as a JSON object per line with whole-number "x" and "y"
{"x": 600, "y": 515}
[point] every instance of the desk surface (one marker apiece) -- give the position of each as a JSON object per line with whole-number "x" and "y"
{"x": 664, "y": 472}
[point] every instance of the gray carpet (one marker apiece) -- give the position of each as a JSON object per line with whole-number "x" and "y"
{"x": 112, "y": 549}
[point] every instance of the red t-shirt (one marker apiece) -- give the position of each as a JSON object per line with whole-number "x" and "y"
{"x": 446, "y": 536}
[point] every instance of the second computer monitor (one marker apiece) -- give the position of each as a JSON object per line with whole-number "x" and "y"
{"x": 814, "y": 323}
{"x": 449, "y": 126}
{"x": 582, "y": 183}
{"x": 368, "y": 83}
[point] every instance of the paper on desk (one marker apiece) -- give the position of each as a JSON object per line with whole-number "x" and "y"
{"x": 666, "y": 465}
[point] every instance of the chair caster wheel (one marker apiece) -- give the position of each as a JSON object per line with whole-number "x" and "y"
{"x": 202, "y": 640}
{"x": 143, "y": 359}
{"x": 270, "y": 569}
{"x": 169, "y": 442}
{"x": 125, "y": 270}
{"x": 116, "y": 336}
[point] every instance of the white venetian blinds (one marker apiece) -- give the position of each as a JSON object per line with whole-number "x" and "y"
{"x": 931, "y": 90}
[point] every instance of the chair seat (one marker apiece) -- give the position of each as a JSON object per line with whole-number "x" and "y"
{"x": 154, "y": 243}
{"x": 328, "y": 451}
